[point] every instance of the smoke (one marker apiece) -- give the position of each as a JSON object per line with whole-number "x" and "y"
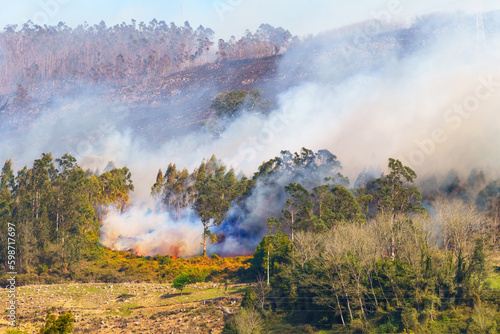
{"x": 426, "y": 95}
{"x": 150, "y": 233}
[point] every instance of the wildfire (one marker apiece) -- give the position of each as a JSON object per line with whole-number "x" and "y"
{"x": 174, "y": 250}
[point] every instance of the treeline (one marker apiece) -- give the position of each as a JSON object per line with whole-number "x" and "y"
{"x": 374, "y": 260}
{"x": 56, "y": 208}
{"x": 265, "y": 42}
{"x": 61, "y": 56}
{"x": 212, "y": 189}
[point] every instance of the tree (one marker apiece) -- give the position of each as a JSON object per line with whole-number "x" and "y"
{"x": 262, "y": 290}
{"x": 297, "y": 208}
{"x": 394, "y": 194}
{"x": 273, "y": 249}
{"x": 181, "y": 281}
{"x": 230, "y": 103}
{"x": 248, "y": 321}
{"x": 215, "y": 190}
{"x": 157, "y": 187}
{"x": 7, "y": 179}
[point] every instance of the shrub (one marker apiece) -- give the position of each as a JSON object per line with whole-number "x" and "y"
{"x": 249, "y": 299}
{"x": 484, "y": 320}
{"x": 42, "y": 268}
{"x": 409, "y": 318}
{"x": 61, "y": 325}
{"x": 248, "y": 321}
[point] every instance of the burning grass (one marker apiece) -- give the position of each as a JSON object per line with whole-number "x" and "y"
{"x": 118, "y": 266}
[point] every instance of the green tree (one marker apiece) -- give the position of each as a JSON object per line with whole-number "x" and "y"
{"x": 181, "y": 281}
{"x": 298, "y": 208}
{"x": 215, "y": 190}
{"x": 394, "y": 195}
{"x": 230, "y": 103}
{"x": 394, "y": 192}
{"x": 7, "y": 179}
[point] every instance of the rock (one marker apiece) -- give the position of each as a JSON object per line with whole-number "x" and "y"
{"x": 225, "y": 310}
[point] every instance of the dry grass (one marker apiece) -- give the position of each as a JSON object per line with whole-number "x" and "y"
{"x": 128, "y": 307}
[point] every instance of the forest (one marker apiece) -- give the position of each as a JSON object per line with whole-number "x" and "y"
{"x": 363, "y": 258}
{"x": 61, "y": 58}
{"x": 371, "y": 258}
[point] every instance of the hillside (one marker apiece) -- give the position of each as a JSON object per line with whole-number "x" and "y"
{"x": 155, "y": 181}
{"x": 129, "y": 307}
{"x": 164, "y": 106}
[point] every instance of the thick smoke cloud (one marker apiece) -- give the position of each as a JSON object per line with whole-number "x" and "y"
{"x": 150, "y": 233}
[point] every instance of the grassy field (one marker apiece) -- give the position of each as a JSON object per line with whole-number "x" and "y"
{"x": 128, "y": 307}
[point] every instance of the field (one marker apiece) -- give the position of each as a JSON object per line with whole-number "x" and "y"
{"x": 128, "y": 307}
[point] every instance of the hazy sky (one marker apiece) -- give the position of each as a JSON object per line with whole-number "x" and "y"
{"x": 227, "y": 17}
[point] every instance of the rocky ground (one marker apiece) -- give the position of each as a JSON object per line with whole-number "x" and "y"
{"x": 128, "y": 307}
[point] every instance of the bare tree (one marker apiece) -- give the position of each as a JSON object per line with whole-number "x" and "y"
{"x": 461, "y": 225}
{"x": 261, "y": 290}
{"x": 248, "y": 321}
{"x": 306, "y": 247}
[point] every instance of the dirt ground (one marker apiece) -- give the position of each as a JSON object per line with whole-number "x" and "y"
{"x": 127, "y": 307}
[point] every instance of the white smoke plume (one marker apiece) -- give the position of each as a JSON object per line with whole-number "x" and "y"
{"x": 150, "y": 233}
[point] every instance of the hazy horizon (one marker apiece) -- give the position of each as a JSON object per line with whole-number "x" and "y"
{"x": 229, "y": 17}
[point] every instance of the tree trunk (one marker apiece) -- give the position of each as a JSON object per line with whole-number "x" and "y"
{"x": 205, "y": 229}
{"x": 268, "y": 264}
{"x": 371, "y": 285}
{"x": 340, "y": 310}
{"x": 346, "y": 297}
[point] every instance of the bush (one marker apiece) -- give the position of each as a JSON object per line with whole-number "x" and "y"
{"x": 409, "y": 318}
{"x": 61, "y": 325}
{"x": 484, "y": 320}
{"x": 388, "y": 326}
{"x": 42, "y": 268}
{"x": 249, "y": 299}
{"x": 248, "y": 321}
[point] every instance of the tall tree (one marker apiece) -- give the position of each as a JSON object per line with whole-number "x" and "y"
{"x": 394, "y": 194}
{"x": 298, "y": 207}
{"x": 215, "y": 190}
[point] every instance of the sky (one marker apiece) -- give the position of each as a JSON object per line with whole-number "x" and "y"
{"x": 229, "y": 17}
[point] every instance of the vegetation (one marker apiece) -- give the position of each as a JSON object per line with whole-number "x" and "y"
{"x": 181, "y": 281}
{"x": 60, "y": 325}
{"x": 121, "y": 266}
{"x": 369, "y": 259}
{"x": 227, "y": 106}
{"x": 376, "y": 262}
{"x": 56, "y": 207}
{"x": 209, "y": 189}
{"x": 121, "y": 55}
{"x": 230, "y": 103}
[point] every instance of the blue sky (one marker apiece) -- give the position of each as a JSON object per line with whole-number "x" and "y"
{"x": 227, "y": 17}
